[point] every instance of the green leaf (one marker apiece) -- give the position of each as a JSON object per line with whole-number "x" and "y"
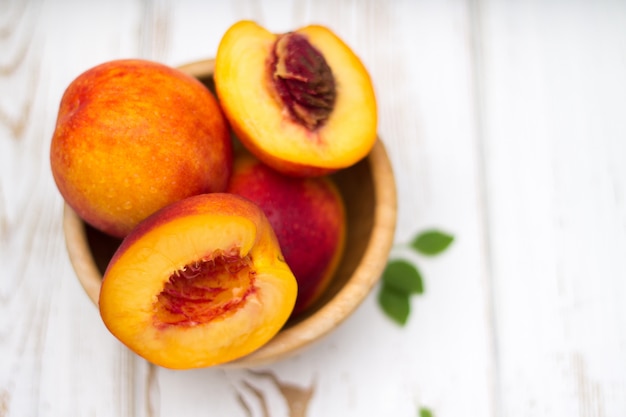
{"x": 395, "y": 304}
{"x": 425, "y": 412}
{"x": 403, "y": 277}
{"x": 432, "y": 242}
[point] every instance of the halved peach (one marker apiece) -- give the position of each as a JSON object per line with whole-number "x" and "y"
{"x": 199, "y": 283}
{"x": 302, "y": 102}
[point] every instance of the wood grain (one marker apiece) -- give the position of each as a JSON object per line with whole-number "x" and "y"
{"x": 504, "y": 124}
{"x": 553, "y": 84}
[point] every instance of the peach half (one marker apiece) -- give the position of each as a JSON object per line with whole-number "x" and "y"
{"x": 302, "y": 101}
{"x": 199, "y": 283}
{"x": 133, "y": 136}
{"x": 308, "y": 217}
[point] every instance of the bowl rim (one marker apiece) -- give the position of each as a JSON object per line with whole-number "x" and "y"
{"x": 295, "y": 337}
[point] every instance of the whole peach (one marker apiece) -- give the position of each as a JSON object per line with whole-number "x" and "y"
{"x": 133, "y": 136}
{"x": 308, "y": 217}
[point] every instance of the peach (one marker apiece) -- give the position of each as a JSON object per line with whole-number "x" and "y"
{"x": 308, "y": 217}
{"x": 133, "y": 136}
{"x": 199, "y": 283}
{"x": 302, "y": 102}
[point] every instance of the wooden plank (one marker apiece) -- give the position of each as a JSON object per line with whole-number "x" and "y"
{"x": 554, "y": 143}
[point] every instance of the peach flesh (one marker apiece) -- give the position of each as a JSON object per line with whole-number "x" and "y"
{"x": 199, "y": 283}
{"x": 246, "y": 90}
{"x": 204, "y": 290}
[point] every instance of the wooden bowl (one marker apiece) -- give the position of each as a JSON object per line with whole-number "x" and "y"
{"x": 369, "y": 192}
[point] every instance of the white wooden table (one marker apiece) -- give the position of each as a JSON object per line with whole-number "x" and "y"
{"x": 506, "y": 126}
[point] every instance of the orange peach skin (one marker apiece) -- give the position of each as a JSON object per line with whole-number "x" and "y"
{"x": 248, "y": 309}
{"x": 308, "y": 217}
{"x": 133, "y": 136}
{"x": 262, "y": 123}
